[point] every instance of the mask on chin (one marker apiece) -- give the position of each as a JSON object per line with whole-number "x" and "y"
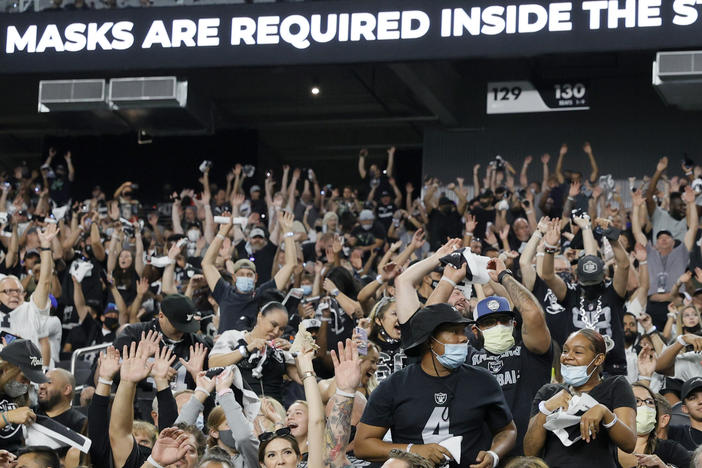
{"x": 594, "y": 291}
{"x": 696, "y": 330}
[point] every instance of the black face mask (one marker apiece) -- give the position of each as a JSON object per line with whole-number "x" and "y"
{"x": 4, "y": 309}
{"x": 593, "y": 292}
{"x": 696, "y": 330}
{"x": 112, "y": 323}
{"x": 566, "y": 276}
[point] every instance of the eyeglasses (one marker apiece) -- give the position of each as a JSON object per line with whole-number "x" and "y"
{"x": 648, "y": 402}
{"x": 10, "y": 292}
{"x": 266, "y": 436}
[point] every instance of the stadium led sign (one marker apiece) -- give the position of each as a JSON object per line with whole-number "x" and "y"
{"x": 336, "y": 32}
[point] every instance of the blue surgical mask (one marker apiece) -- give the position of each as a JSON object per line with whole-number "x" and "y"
{"x": 576, "y": 375}
{"x": 306, "y": 289}
{"x": 454, "y": 354}
{"x": 244, "y": 285}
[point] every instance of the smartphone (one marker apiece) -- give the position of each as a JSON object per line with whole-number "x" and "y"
{"x": 363, "y": 336}
{"x": 9, "y": 337}
{"x": 214, "y": 372}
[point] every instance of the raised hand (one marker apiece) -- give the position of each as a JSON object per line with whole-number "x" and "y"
{"x": 363, "y": 153}
{"x": 389, "y": 271}
{"x": 574, "y": 189}
{"x": 285, "y": 220}
{"x": 196, "y": 363}
{"x": 494, "y": 267}
{"x": 108, "y": 363}
{"x": 543, "y": 224}
{"x": 545, "y": 158}
{"x": 47, "y": 234}
{"x": 135, "y": 367}
{"x": 528, "y": 160}
{"x": 162, "y": 364}
{"x": 688, "y": 195}
{"x": 151, "y": 342}
{"x": 553, "y": 236}
{"x": 587, "y": 148}
{"x": 409, "y": 188}
{"x": 347, "y": 367}
{"x": 142, "y": 286}
{"x": 583, "y": 222}
{"x": 563, "y": 150}
{"x": 224, "y": 380}
{"x": 640, "y": 253}
{"x": 329, "y": 285}
{"x": 449, "y": 246}
{"x": 504, "y": 233}
{"x": 471, "y": 223}
{"x": 171, "y": 446}
{"x": 418, "y": 239}
{"x": 638, "y": 198}
{"x": 647, "y": 362}
{"x": 395, "y": 246}
{"x": 662, "y": 164}
{"x": 202, "y": 381}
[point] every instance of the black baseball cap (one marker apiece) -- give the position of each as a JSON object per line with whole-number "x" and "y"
{"x": 671, "y": 385}
{"x": 690, "y": 386}
{"x": 180, "y": 311}
{"x": 424, "y": 322}
{"x": 590, "y": 270}
{"x": 25, "y": 355}
{"x": 663, "y": 231}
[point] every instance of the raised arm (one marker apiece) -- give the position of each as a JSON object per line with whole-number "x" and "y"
{"x": 526, "y": 260}
{"x": 476, "y": 180}
{"x": 652, "y": 186}
{"x": 523, "y": 176}
{"x": 559, "y": 163}
{"x": 552, "y": 241}
{"x": 589, "y": 241}
{"x": 692, "y": 218}
{"x": 96, "y": 242}
{"x": 621, "y": 259}
{"x": 362, "y": 162}
{"x": 124, "y": 314}
{"x": 79, "y": 300}
{"x": 209, "y": 269}
{"x": 69, "y": 165}
{"x": 535, "y": 333}
{"x": 429, "y": 197}
{"x": 638, "y": 202}
{"x": 40, "y": 297}
{"x": 11, "y": 257}
{"x": 282, "y": 278}
{"x": 594, "y": 172}
{"x": 139, "y": 253}
{"x": 316, "y": 419}
{"x": 398, "y": 193}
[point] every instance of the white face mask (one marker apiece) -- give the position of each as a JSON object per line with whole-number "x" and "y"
{"x": 193, "y": 235}
{"x": 499, "y": 338}
{"x": 645, "y": 420}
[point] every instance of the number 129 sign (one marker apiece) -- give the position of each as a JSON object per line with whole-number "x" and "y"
{"x": 515, "y": 97}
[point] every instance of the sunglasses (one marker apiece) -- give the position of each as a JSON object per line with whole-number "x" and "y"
{"x": 266, "y": 436}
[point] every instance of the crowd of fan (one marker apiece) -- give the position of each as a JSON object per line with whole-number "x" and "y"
{"x": 540, "y": 323}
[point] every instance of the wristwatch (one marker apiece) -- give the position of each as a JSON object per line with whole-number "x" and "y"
{"x": 335, "y": 292}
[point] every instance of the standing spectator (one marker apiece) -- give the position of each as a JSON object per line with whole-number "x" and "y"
{"x": 672, "y": 221}
{"x": 690, "y": 436}
{"x": 377, "y": 180}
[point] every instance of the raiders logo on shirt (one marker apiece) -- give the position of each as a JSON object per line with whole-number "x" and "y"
{"x": 10, "y": 430}
{"x": 440, "y": 398}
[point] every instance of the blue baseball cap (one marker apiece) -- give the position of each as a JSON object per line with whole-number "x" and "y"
{"x": 492, "y": 305}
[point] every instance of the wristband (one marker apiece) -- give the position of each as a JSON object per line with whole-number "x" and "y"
{"x": 672, "y": 315}
{"x": 289, "y": 234}
{"x": 542, "y": 408}
{"x": 409, "y": 446}
{"x": 244, "y": 352}
{"x": 379, "y": 279}
{"x": 221, "y": 393}
{"x": 571, "y": 198}
{"x": 326, "y": 319}
{"x": 335, "y": 292}
{"x": 538, "y": 233}
{"x": 220, "y": 236}
{"x": 448, "y": 280}
{"x": 502, "y": 275}
{"x": 153, "y": 462}
{"x": 45, "y": 249}
{"x": 346, "y": 394}
{"x": 650, "y": 330}
{"x": 549, "y": 246}
{"x": 203, "y": 390}
{"x": 495, "y": 458}
{"x": 643, "y": 263}
{"x": 308, "y": 373}
{"x": 612, "y": 423}
{"x": 104, "y": 381}
{"x": 681, "y": 341}
{"x": 540, "y": 254}
{"x": 645, "y": 377}
{"x": 7, "y": 423}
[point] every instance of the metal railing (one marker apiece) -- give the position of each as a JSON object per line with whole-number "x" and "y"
{"x": 82, "y": 351}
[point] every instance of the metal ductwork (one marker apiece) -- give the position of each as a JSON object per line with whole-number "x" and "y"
{"x": 148, "y": 92}
{"x": 71, "y": 95}
{"x": 677, "y": 76}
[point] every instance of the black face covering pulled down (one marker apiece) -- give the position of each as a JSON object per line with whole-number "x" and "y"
{"x": 696, "y": 330}
{"x": 593, "y": 292}
{"x": 4, "y": 309}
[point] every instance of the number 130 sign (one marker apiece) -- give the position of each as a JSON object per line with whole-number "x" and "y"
{"x": 514, "y": 97}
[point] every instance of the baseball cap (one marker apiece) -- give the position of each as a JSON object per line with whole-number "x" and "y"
{"x": 663, "y": 231}
{"x": 25, "y": 355}
{"x": 244, "y": 263}
{"x": 690, "y": 386}
{"x": 671, "y": 385}
{"x": 445, "y": 201}
{"x": 492, "y": 305}
{"x": 590, "y": 270}
{"x": 254, "y": 188}
{"x": 180, "y": 311}
{"x": 257, "y": 232}
{"x": 384, "y": 193}
{"x": 366, "y": 215}
{"x": 424, "y": 322}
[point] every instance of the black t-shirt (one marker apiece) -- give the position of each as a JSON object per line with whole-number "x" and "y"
{"x": 520, "y": 373}
{"x": 605, "y": 314}
{"x": 687, "y": 436}
{"x": 309, "y": 252}
{"x": 271, "y": 379}
{"x": 443, "y": 225}
{"x": 482, "y": 218}
{"x": 385, "y": 214}
{"x": 340, "y": 327}
{"x": 366, "y": 238}
{"x": 11, "y": 438}
{"x": 72, "y": 419}
{"x": 237, "y": 311}
{"x": 613, "y": 392}
{"x": 137, "y": 456}
{"x": 60, "y": 190}
{"x": 392, "y": 358}
{"x": 672, "y": 453}
{"x": 549, "y": 301}
{"x": 468, "y": 402}
{"x": 263, "y": 259}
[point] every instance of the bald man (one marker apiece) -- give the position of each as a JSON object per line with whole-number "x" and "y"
{"x": 55, "y": 397}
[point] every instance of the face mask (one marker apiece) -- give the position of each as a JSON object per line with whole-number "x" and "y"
{"x": 694, "y": 330}
{"x": 15, "y": 389}
{"x": 566, "y": 276}
{"x": 244, "y": 285}
{"x": 200, "y": 421}
{"x": 498, "y": 339}
{"x": 4, "y": 309}
{"x": 194, "y": 235}
{"x": 645, "y": 420}
{"x": 576, "y": 375}
{"x": 306, "y": 289}
{"x": 111, "y": 323}
{"x": 593, "y": 292}
{"x": 367, "y": 227}
{"x": 227, "y": 439}
{"x": 454, "y": 354}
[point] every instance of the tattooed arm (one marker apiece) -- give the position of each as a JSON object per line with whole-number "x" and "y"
{"x": 338, "y": 432}
{"x": 535, "y": 333}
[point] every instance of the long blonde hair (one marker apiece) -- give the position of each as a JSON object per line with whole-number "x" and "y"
{"x": 679, "y": 324}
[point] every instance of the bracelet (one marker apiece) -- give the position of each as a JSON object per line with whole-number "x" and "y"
{"x": 672, "y": 315}
{"x": 7, "y": 423}
{"x": 220, "y": 236}
{"x": 409, "y": 446}
{"x": 571, "y": 198}
{"x": 643, "y": 263}
{"x": 552, "y": 250}
{"x": 502, "y": 275}
{"x": 549, "y": 246}
{"x": 542, "y": 408}
{"x": 540, "y": 254}
{"x": 645, "y": 377}
{"x": 221, "y": 393}
{"x": 612, "y": 423}
{"x": 335, "y": 292}
{"x": 346, "y": 394}
{"x": 203, "y": 390}
{"x": 289, "y": 234}
{"x": 681, "y": 341}
{"x": 650, "y": 330}
{"x": 308, "y": 373}
{"x": 104, "y": 381}
{"x": 529, "y": 211}
{"x": 153, "y": 462}
{"x": 448, "y": 280}
{"x": 379, "y": 279}
{"x": 495, "y": 458}
{"x": 243, "y": 351}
